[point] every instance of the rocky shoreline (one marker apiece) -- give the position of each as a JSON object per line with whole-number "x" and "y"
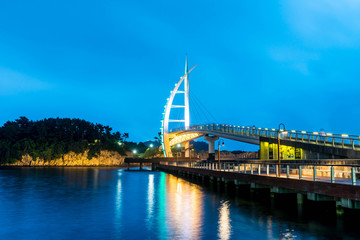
{"x": 105, "y": 159}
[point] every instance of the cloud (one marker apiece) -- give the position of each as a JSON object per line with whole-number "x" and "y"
{"x": 325, "y": 23}
{"x": 293, "y": 58}
{"x": 12, "y": 82}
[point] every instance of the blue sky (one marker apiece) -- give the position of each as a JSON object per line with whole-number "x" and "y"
{"x": 115, "y": 62}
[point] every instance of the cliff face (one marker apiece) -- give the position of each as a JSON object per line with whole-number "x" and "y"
{"x": 71, "y": 159}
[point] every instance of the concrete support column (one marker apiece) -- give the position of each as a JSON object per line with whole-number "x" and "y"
{"x": 211, "y": 140}
{"x": 300, "y": 202}
{"x": 187, "y": 150}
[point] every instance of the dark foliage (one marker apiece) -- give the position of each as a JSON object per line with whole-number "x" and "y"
{"x": 51, "y": 138}
{"x": 139, "y": 147}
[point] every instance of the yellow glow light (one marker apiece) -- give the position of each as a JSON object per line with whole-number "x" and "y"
{"x": 183, "y": 138}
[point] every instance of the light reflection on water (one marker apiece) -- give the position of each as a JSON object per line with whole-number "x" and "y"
{"x": 99, "y": 203}
{"x": 224, "y": 221}
{"x": 150, "y": 202}
{"x": 118, "y": 206}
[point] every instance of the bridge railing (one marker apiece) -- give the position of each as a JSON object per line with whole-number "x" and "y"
{"x": 341, "y": 174}
{"x": 319, "y": 138}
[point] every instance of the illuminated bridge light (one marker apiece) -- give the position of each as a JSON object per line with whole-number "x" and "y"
{"x": 329, "y": 134}
{"x": 303, "y": 131}
{"x": 293, "y": 131}
{"x": 344, "y": 135}
{"x": 316, "y": 133}
{"x": 184, "y": 138}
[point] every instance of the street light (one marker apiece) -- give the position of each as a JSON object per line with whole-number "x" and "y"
{"x": 177, "y": 152}
{"x": 279, "y": 136}
{"x": 134, "y": 151}
{"x": 220, "y": 142}
{"x": 151, "y": 145}
{"x": 190, "y": 149}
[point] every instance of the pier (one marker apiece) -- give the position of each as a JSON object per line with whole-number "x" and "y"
{"x": 339, "y": 184}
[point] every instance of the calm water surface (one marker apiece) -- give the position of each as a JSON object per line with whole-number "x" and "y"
{"x": 99, "y": 203}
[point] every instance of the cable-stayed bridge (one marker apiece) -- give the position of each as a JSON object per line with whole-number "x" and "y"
{"x": 291, "y": 144}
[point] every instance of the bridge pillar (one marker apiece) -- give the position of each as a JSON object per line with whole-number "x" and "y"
{"x": 211, "y": 140}
{"x": 187, "y": 149}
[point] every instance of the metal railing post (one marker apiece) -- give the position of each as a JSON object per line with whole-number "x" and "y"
{"x": 233, "y": 167}
{"x": 314, "y": 173}
{"x": 300, "y": 173}
{"x": 267, "y": 170}
{"x": 238, "y": 167}
{"x": 259, "y": 169}
{"x": 287, "y": 171}
{"x": 251, "y": 169}
{"x": 353, "y": 176}
{"x": 332, "y": 174}
{"x": 277, "y": 171}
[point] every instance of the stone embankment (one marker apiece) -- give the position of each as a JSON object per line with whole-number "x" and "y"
{"x": 105, "y": 158}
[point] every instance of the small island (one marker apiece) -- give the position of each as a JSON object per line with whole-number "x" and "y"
{"x": 59, "y": 142}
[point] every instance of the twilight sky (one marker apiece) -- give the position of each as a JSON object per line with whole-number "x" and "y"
{"x": 115, "y": 62}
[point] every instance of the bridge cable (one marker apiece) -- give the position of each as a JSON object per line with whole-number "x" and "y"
{"x": 200, "y": 111}
{"x": 203, "y": 109}
{"x": 212, "y": 116}
{"x": 194, "y": 109}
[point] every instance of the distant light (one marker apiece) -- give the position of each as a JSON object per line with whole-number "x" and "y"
{"x": 303, "y": 131}
{"x": 293, "y": 131}
{"x": 119, "y": 143}
{"x": 316, "y": 133}
{"x": 329, "y": 134}
{"x": 134, "y": 151}
{"x": 344, "y": 135}
{"x": 178, "y": 145}
{"x": 151, "y": 145}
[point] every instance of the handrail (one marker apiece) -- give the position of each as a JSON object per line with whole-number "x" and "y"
{"x": 319, "y": 138}
{"x": 289, "y": 172}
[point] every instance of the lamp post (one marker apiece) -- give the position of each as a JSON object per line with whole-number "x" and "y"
{"x": 220, "y": 142}
{"x": 191, "y": 149}
{"x": 177, "y": 152}
{"x": 279, "y": 136}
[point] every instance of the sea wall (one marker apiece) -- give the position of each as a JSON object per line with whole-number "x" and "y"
{"x": 105, "y": 158}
